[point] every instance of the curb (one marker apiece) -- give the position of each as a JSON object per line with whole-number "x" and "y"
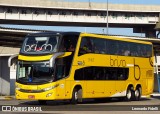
{"x": 13, "y": 97}
{"x": 7, "y": 97}
{"x": 155, "y": 94}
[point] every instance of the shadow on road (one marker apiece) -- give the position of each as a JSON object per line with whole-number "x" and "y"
{"x": 156, "y": 97}
{"x": 106, "y": 101}
{"x": 87, "y": 105}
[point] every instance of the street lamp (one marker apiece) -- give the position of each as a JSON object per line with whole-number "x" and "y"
{"x": 107, "y": 19}
{"x": 89, "y": 4}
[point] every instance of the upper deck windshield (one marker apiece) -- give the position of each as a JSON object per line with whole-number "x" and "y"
{"x": 40, "y": 44}
{"x": 44, "y": 44}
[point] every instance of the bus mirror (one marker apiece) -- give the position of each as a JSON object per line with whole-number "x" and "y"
{"x": 12, "y": 59}
{"x": 52, "y": 60}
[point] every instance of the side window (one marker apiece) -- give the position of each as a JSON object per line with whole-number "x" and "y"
{"x": 63, "y": 67}
{"x": 144, "y": 51}
{"x": 111, "y": 73}
{"x": 102, "y": 73}
{"x": 99, "y": 45}
{"x": 124, "y": 49}
{"x": 116, "y": 73}
{"x": 134, "y": 49}
{"x": 60, "y": 72}
{"x": 112, "y": 47}
{"x": 122, "y": 73}
{"x": 85, "y": 46}
{"x": 79, "y": 74}
{"x": 89, "y": 73}
{"x": 52, "y": 43}
{"x": 115, "y": 47}
{"x": 141, "y": 50}
{"x": 86, "y": 73}
{"x": 99, "y": 73}
{"x": 148, "y": 50}
{"x": 68, "y": 43}
{"x": 60, "y": 69}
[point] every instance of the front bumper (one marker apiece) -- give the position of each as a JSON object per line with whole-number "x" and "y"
{"x": 47, "y": 95}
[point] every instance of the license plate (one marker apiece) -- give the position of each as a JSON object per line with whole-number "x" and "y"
{"x": 31, "y": 97}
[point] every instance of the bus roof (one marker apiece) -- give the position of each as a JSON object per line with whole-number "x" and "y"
{"x": 113, "y": 37}
{"x": 54, "y": 33}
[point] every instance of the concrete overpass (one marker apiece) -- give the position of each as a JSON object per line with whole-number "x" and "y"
{"x": 142, "y": 18}
{"x": 12, "y": 37}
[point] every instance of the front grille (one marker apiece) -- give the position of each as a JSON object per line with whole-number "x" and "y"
{"x": 31, "y": 91}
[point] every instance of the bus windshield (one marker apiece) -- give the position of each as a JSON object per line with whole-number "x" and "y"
{"x": 41, "y": 44}
{"x": 34, "y": 73}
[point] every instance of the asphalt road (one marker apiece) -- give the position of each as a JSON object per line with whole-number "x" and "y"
{"x": 89, "y": 106}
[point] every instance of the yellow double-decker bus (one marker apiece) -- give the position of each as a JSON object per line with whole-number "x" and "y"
{"x": 75, "y": 66}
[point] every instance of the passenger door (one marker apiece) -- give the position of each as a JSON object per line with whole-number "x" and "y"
{"x": 60, "y": 75}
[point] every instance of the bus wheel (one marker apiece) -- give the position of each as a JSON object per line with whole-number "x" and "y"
{"x": 137, "y": 94}
{"x": 75, "y": 95}
{"x": 42, "y": 102}
{"x": 129, "y": 94}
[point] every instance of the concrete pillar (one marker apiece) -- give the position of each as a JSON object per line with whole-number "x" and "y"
{"x": 150, "y": 33}
{"x": 12, "y": 78}
{"x": 155, "y": 83}
{"x": 4, "y": 76}
{"x": 157, "y": 27}
{"x": 158, "y": 34}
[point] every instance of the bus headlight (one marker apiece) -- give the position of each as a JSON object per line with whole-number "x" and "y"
{"x": 48, "y": 88}
{"x": 51, "y": 87}
{"x": 17, "y": 87}
{"x": 49, "y": 94}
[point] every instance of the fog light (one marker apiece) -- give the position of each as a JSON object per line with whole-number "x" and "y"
{"x": 17, "y": 94}
{"x": 17, "y": 88}
{"x": 49, "y": 94}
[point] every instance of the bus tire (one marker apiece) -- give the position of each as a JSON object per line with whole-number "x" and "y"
{"x": 74, "y": 99}
{"x": 129, "y": 94}
{"x": 42, "y": 102}
{"x": 137, "y": 94}
{"x": 76, "y": 96}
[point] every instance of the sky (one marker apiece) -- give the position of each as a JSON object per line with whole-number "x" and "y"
{"x": 101, "y": 30}
{"x": 146, "y": 2}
